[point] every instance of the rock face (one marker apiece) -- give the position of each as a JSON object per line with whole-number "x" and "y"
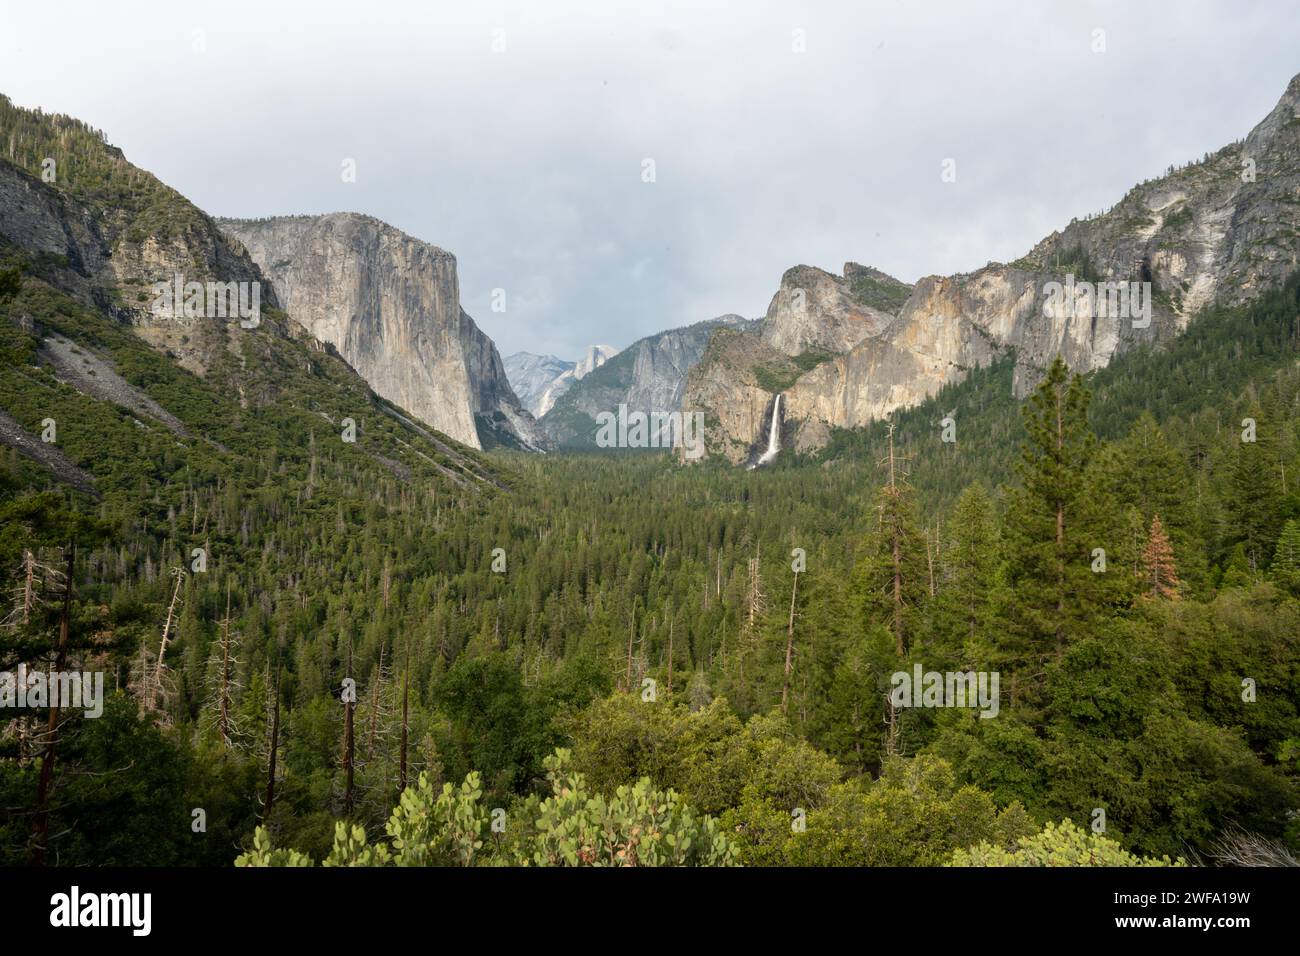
{"x": 649, "y": 376}
{"x": 814, "y": 320}
{"x": 532, "y": 376}
{"x": 109, "y": 253}
{"x": 390, "y": 304}
{"x": 539, "y": 380}
{"x": 734, "y": 384}
{"x": 814, "y": 311}
{"x": 597, "y": 355}
{"x": 1220, "y": 230}
{"x": 97, "y": 235}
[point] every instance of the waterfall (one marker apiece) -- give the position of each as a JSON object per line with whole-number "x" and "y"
{"x": 774, "y": 435}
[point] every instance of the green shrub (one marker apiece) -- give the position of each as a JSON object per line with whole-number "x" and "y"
{"x": 1063, "y": 845}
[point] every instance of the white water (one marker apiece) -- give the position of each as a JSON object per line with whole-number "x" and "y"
{"x": 774, "y": 436}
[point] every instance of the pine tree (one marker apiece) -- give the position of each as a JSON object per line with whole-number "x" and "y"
{"x": 1048, "y": 548}
{"x": 11, "y": 282}
{"x": 894, "y": 575}
{"x": 1286, "y": 557}
{"x": 1253, "y": 499}
{"x": 969, "y": 569}
{"x": 1158, "y": 560}
{"x": 1146, "y": 474}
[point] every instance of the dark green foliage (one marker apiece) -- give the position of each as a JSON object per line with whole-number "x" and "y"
{"x": 1048, "y": 546}
{"x": 886, "y": 294}
{"x": 678, "y": 578}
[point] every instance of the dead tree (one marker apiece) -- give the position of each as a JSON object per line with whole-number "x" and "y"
{"x": 755, "y": 600}
{"x": 789, "y": 644}
{"x": 349, "y": 742}
{"x": 275, "y": 746}
{"x": 374, "y": 724}
{"x": 35, "y": 581}
{"x": 223, "y": 680}
{"x": 225, "y": 671}
{"x": 179, "y": 575}
{"x": 670, "y": 652}
{"x": 41, "y": 822}
{"x": 150, "y": 681}
{"x": 406, "y": 699}
{"x": 631, "y": 640}
{"x": 891, "y": 721}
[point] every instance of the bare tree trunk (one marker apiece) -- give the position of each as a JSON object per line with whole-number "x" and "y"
{"x": 275, "y": 745}
{"x": 898, "y": 592}
{"x": 891, "y": 718}
{"x": 789, "y": 645}
{"x": 41, "y": 822}
{"x": 374, "y": 706}
{"x": 631, "y": 633}
{"x": 670, "y": 654}
{"x": 406, "y": 697}
{"x": 225, "y": 672}
{"x": 29, "y": 584}
{"x": 929, "y": 556}
{"x": 348, "y": 742}
{"x": 155, "y": 688}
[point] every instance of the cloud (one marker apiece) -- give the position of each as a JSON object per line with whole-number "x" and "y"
{"x": 527, "y": 163}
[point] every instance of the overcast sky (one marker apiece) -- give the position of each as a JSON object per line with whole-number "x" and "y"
{"x": 527, "y": 163}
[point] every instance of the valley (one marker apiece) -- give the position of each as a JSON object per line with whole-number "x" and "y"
{"x": 346, "y": 558}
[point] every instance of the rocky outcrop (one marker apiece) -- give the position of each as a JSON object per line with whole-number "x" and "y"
{"x": 532, "y": 376}
{"x": 595, "y": 357}
{"x": 41, "y": 220}
{"x": 390, "y": 304}
{"x": 96, "y": 234}
{"x": 814, "y": 318}
{"x": 649, "y": 376}
{"x": 107, "y": 245}
{"x": 734, "y": 383}
{"x": 814, "y": 311}
{"x": 539, "y": 380}
{"x": 1220, "y": 230}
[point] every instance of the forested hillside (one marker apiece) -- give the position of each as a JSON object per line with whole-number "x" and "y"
{"x": 639, "y": 617}
{"x": 329, "y": 634}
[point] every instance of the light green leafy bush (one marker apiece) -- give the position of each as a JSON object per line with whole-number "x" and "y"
{"x": 638, "y": 826}
{"x": 1058, "y": 845}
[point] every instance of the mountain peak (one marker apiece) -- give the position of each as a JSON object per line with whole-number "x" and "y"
{"x": 390, "y": 303}
{"x": 1286, "y": 111}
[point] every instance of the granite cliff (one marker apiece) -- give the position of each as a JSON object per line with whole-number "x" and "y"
{"x": 94, "y": 240}
{"x": 539, "y": 380}
{"x": 648, "y": 376}
{"x": 1218, "y": 230}
{"x": 390, "y": 304}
